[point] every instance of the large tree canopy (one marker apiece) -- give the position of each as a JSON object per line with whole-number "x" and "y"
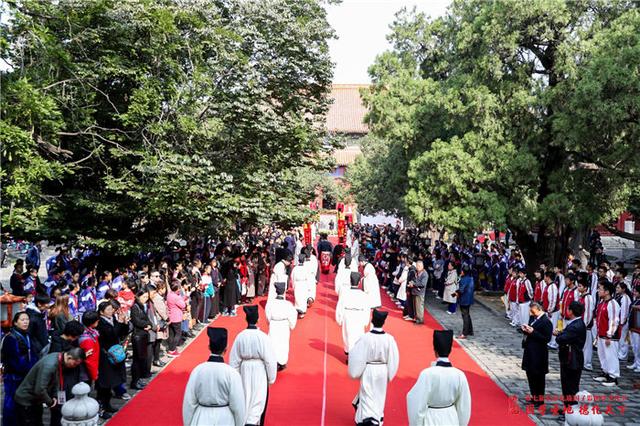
{"x": 501, "y": 113}
{"x": 124, "y": 121}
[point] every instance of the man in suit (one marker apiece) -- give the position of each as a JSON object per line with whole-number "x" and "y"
{"x": 535, "y": 360}
{"x": 571, "y": 341}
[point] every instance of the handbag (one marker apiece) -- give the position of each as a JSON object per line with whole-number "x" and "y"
{"x": 117, "y": 353}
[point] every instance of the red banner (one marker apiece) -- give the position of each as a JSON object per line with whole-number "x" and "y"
{"x": 307, "y": 234}
{"x": 342, "y": 228}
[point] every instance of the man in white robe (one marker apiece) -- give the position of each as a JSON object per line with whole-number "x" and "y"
{"x": 300, "y": 282}
{"x": 214, "y": 394}
{"x": 282, "y": 317}
{"x": 253, "y": 356}
{"x": 343, "y": 277}
{"x": 279, "y": 275}
{"x": 441, "y": 395}
{"x": 355, "y": 248}
{"x": 374, "y": 360}
{"x": 352, "y": 312}
{"x": 312, "y": 268}
{"x": 370, "y": 285}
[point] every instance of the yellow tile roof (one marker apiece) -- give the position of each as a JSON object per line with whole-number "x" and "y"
{"x": 346, "y": 113}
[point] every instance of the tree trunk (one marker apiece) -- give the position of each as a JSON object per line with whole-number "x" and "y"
{"x": 528, "y": 246}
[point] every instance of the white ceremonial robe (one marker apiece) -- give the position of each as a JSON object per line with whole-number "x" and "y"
{"x": 299, "y": 247}
{"x": 441, "y": 396}
{"x": 312, "y": 268}
{"x": 371, "y": 285}
{"x": 341, "y": 269}
{"x": 352, "y": 313}
{"x": 253, "y": 356}
{"x": 214, "y": 396}
{"x": 355, "y": 250}
{"x": 374, "y": 360}
{"x": 282, "y": 317}
{"x": 300, "y": 282}
{"x": 343, "y": 279}
{"x": 279, "y": 275}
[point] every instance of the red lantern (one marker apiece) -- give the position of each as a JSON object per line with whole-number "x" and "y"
{"x": 9, "y": 304}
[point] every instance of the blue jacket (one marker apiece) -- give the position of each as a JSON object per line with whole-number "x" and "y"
{"x": 33, "y": 257}
{"x": 466, "y": 291}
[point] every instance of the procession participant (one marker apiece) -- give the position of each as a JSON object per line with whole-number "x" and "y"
{"x": 374, "y": 360}
{"x": 524, "y": 293}
{"x": 571, "y": 340}
{"x": 313, "y": 273}
{"x": 370, "y": 283}
{"x": 587, "y": 317}
{"x": 214, "y": 394}
{"x": 282, "y": 317}
{"x": 324, "y": 246}
{"x": 300, "y": 282}
{"x": 441, "y": 395}
{"x": 352, "y": 312}
{"x": 343, "y": 276}
{"x": 535, "y": 358}
{"x": 623, "y": 297}
{"x": 607, "y": 323}
{"x": 253, "y": 356}
{"x": 279, "y": 274}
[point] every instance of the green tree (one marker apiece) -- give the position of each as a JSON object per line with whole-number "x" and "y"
{"x": 127, "y": 121}
{"x": 519, "y": 114}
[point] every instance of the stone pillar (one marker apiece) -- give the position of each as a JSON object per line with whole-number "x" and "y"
{"x": 81, "y": 410}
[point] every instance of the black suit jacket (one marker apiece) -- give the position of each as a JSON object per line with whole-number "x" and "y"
{"x": 536, "y": 353}
{"x": 571, "y": 342}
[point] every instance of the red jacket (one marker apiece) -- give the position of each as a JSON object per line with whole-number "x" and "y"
{"x": 510, "y": 288}
{"x": 89, "y": 342}
{"x": 537, "y": 292}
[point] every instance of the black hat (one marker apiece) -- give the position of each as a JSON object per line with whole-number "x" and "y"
{"x": 379, "y": 317}
{"x": 355, "y": 279}
{"x": 442, "y": 342}
{"x": 279, "y": 288}
{"x": 217, "y": 339}
{"x": 251, "y": 311}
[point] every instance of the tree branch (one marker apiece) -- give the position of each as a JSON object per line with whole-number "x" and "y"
{"x": 622, "y": 234}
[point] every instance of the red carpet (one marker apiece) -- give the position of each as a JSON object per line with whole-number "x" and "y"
{"x": 303, "y": 394}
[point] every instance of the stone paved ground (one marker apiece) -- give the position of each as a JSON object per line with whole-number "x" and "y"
{"x": 496, "y": 347}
